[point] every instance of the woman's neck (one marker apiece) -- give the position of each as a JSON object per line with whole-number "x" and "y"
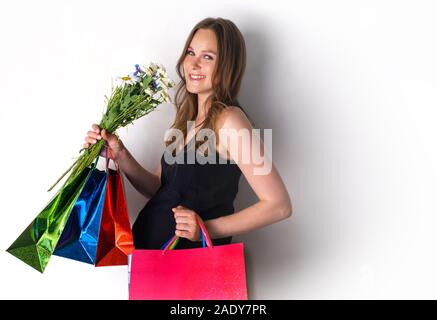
{"x": 202, "y": 108}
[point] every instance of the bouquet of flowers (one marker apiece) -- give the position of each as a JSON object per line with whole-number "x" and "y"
{"x": 138, "y": 94}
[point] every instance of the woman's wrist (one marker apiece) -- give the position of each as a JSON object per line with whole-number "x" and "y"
{"x": 121, "y": 153}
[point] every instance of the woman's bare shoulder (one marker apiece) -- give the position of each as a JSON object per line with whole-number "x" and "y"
{"x": 232, "y": 117}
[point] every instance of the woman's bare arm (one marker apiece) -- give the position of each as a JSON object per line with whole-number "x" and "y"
{"x": 274, "y": 202}
{"x": 144, "y": 181}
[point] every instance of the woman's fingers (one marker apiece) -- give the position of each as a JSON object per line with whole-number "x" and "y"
{"x": 110, "y": 137}
{"x": 90, "y": 140}
{"x": 185, "y": 219}
{"x": 104, "y": 134}
{"x": 96, "y": 128}
{"x": 186, "y": 223}
{"x": 94, "y": 135}
{"x": 184, "y": 226}
{"x": 183, "y": 234}
{"x": 181, "y": 211}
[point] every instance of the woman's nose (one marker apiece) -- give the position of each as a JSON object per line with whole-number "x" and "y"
{"x": 196, "y": 62}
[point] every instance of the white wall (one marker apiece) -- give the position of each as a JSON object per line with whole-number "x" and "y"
{"x": 348, "y": 87}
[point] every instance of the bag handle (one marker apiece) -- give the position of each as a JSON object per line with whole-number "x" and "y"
{"x": 176, "y": 240}
{"x": 205, "y": 238}
{"x": 94, "y": 164}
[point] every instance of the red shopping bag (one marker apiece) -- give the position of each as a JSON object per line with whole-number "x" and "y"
{"x": 211, "y": 273}
{"x": 115, "y": 241}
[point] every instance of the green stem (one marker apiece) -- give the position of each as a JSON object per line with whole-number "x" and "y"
{"x": 63, "y": 175}
{"x": 81, "y": 163}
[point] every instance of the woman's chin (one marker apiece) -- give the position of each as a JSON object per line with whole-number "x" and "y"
{"x": 194, "y": 90}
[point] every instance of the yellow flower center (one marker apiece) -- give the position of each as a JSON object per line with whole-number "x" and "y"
{"x": 125, "y": 78}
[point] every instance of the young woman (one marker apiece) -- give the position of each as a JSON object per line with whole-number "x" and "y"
{"x": 211, "y": 69}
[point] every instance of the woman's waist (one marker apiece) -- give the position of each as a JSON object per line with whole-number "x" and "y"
{"x": 164, "y": 200}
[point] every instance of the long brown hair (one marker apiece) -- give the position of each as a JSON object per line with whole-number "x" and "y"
{"x": 227, "y": 76}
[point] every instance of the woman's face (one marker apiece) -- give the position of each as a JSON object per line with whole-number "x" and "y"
{"x": 200, "y": 60}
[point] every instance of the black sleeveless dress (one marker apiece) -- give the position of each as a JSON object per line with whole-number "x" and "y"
{"x": 209, "y": 189}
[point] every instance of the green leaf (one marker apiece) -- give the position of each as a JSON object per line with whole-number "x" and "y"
{"x": 147, "y": 81}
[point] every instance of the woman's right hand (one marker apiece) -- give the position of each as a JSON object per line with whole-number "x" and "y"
{"x": 115, "y": 145}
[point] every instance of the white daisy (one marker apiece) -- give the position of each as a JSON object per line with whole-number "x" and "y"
{"x": 146, "y": 71}
{"x": 149, "y": 91}
{"x": 168, "y": 82}
{"x": 156, "y": 96}
{"x": 165, "y": 96}
{"x": 153, "y": 67}
{"x": 162, "y": 84}
{"x": 129, "y": 79}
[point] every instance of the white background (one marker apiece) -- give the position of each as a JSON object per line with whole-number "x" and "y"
{"x": 348, "y": 87}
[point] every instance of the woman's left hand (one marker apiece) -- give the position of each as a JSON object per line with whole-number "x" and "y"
{"x": 186, "y": 223}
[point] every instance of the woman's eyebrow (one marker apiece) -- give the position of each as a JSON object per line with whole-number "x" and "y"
{"x": 209, "y": 51}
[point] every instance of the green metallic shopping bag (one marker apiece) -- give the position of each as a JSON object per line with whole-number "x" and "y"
{"x": 36, "y": 244}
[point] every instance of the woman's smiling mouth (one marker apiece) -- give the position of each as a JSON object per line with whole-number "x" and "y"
{"x": 197, "y": 77}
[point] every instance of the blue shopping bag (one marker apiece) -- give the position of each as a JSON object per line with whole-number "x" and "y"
{"x": 79, "y": 238}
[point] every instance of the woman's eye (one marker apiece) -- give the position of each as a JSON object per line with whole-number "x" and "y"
{"x": 206, "y": 55}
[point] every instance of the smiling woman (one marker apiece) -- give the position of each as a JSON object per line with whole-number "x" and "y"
{"x": 199, "y": 63}
{"x": 211, "y": 66}
{"x": 182, "y": 196}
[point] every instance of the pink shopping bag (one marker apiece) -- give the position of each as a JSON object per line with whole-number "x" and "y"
{"x": 208, "y": 273}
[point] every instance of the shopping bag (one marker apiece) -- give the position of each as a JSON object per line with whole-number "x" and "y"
{"x": 208, "y": 273}
{"x": 37, "y": 242}
{"x": 79, "y": 238}
{"x": 115, "y": 240}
